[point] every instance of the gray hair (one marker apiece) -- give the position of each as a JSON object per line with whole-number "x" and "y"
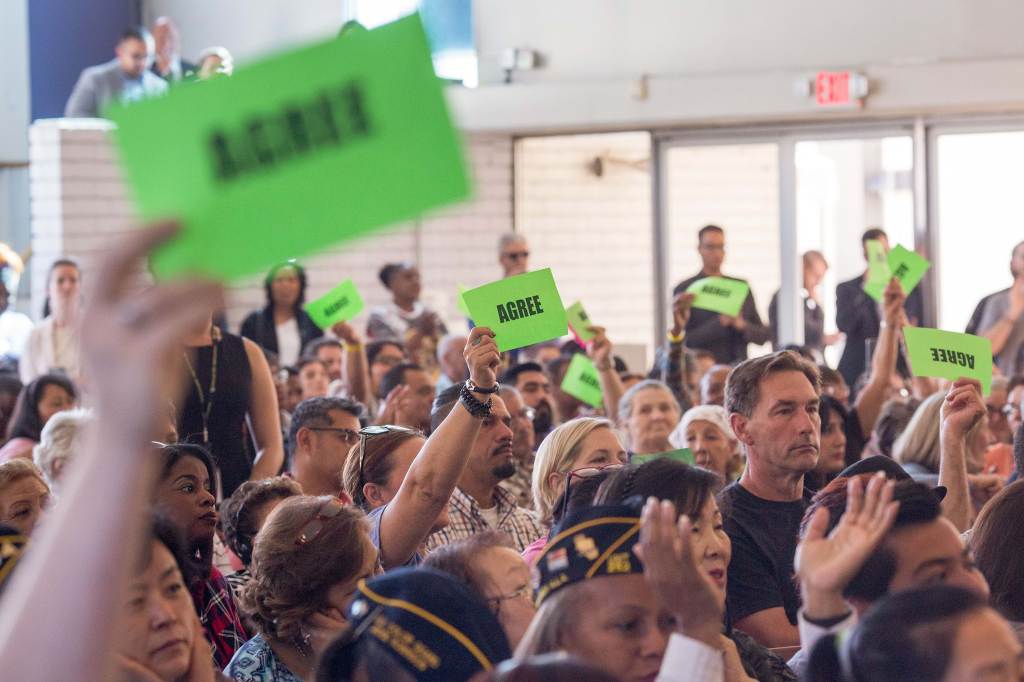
{"x": 446, "y": 342}
{"x": 626, "y": 402}
{"x": 60, "y": 439}
{"x": 510, "y": 238}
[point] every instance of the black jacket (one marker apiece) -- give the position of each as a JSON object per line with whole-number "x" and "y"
{"x": 726, "y": 343}
{"x": 259, "y": 327}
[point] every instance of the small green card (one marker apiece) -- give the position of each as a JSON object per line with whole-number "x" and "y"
{"x": 949, "y": 355}
{"x": 906, "y": 266}
{"x": 685, "y": 455}
{"x": 581, "y": 381}
{"x": 294, "y": 153}
{"x": 520, "y": 310}
{"x": 579, "y": 321}
{"x": 460, "y": 302}
{"x": 719, "y": 295}
{"x": 879, "y": 273}
{"x": 340, "y": 304}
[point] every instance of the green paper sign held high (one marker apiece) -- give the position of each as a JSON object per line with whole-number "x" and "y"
{"x": 906, "y": 266}
{"x": 949, "y": 355}
{"x": 340, "y": 304}
{"x": 579, "y": 322}
{"x": 520, "y": 310}
{"x": 685, "y": 455}
{"x": 581, "y": 381}
{"x": 294, "y": 153}
{"x": 719, "y": 295}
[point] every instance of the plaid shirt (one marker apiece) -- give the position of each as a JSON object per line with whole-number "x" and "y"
{"x": 220, "y": 618}
{"x": 465, "y": 520}
{"x": 521, "y": 485}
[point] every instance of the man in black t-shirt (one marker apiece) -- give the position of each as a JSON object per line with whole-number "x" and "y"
{"x": 773, "y": 409}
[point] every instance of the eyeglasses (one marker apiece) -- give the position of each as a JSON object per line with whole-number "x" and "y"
{"x": 528, "y": 413}
{"x": 311, "y": 531}
{"x": 579, "y": 474}
{"x": 516, "y": 255}
{"x": 1011, "y": 409}
{"x": 348, "y": 435}
{"x": 524, "y": 592}
{"x": 365, "y": 433}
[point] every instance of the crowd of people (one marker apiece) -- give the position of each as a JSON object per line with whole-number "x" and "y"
{"x": 404, "y": 502}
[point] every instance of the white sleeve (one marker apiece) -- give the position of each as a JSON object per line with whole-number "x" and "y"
{"x": 687, "y": 660}
{"x": 811, "y": 633}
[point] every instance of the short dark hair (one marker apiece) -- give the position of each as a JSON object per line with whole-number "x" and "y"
{"x": 388, "y": 271}
{"x": 396, "y": 376}
{"x": 828, "y": 407}
{"x": 314, "y": 346}
{"x": 828, "y": 376}
{"x": 236, "y": 514}
{"x": 316, "y": 412}
{"x": 996, "y": 539}
{"x": 511, "y": 375}
{"x": 10, "y": 384}
{"x": 743, "y": 387}
{"x": 171, "y": 537}
{"x": 443, "y": 405}
{"x": 918, "y": 504}
{"x": 374, "y": 348}
{"x": 134, "y": 33}
{"x": 666, "y": 479}
{"x": 300, "y": 272}
{"x": 892, "y": 422}
{"x": 25, "y": 420}
{"x": 708, "y": 228}
{"x": 308, "y": 360}
{"x": 872, "y": 233}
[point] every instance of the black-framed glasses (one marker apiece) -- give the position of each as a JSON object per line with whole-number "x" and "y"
{"x": 348, "y": 435}
{"x": 311, "y": 531}
{"x": 365, "y": 433}
{"x": 580, "y": 474}
{"x": 516, "y": 255}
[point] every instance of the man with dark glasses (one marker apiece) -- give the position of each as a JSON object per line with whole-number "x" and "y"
{"x": 513, "y": 254}
{"x": 323, "y": 430}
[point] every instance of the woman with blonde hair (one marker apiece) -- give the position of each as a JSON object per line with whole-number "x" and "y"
{"x": 24, "y": 495}
{"x": 919, "y": 449}
{"x": 577, "y": 449}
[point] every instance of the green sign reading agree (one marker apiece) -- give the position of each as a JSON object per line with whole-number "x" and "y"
{"x": 906, "y": 266}
{"x": 340, "y": 304}
{"x": 685, "y": 455}
{"x": 579, "y": 322}
{"x": 879, "y": 273}
{"x": 581, "y": 381}
{"x": 949, "y": 355}
{"x": 719, "y": 295}
{"x": 520, "y": 310}
{"x": 294, "y": 153}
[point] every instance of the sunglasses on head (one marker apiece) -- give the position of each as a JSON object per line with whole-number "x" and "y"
{"x": 577, "y": 475}
{"x": 365, "y": 433}
{"x": 311, "y": 531}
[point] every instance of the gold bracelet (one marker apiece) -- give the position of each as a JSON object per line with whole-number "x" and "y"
{"x": 351, "y": 347}
{"x": 672, "y": 338}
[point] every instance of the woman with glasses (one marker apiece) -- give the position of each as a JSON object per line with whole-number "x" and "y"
{"x": 306, "y": 562}
{"x": 489, "y": 565}
{"x": 404, "y": 482}
{"x": 576, "y": 449}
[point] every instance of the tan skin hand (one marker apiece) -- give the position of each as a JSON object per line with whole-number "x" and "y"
{"x": 963, "y": 407}
{"x": 681, "y": 312}
{"x": 482, "y": 357}
{"x": 347, "y": 333}
{"x": 393, "y": 405}
{"x": 893, "y": 300}
{"x": 599, "y": 349}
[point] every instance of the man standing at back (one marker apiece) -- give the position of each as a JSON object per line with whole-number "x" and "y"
{"x": 859, "y": 316}
{"x": 773, "y": 409}
{"x": 513, "y": 254}
{"x": 1002, "y": 320}
{"x": 726, "y": 337}
{"x": 168, "y": 63}
{"x": 126, "y": 78}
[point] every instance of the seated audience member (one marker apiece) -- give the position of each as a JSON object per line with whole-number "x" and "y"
{"x": 403, "y": 483}
{"x": 24, "y": 495}
{"x": 446, "y": 632}
{"x": 12, "y": 547}
{"x": 1002, "y": 321}
{"x": 576, "y": 450}
{"x": 712, "y": 385}
{"x": 479, "y": 503}
{"x": 995, "y": 542}
{"x": 523, "y": 442}
{"x": 330, "y": 352}
{"x": 492, "y": 569}
{"x": 692, "y": 491}
{"x": 214, "y": 61}
{"x": 832, "y": 453}
{"x": 864, "y": 538}
{"x": 533, "y": 384}
{"x": 636, "y": 615}
{"x": 323, "y": 432}
{"x": 773, "y": 410}
{"x": 283, "y": 326}
{"x": 412, "y": 405}
{"x": 244, "y": 513}
{"x": 566, "y": 406}
{"x": 405, "y": 319}
{"x": 649, "y": 412}
{"x": 159, "y": 636}
{"x": 451, "y": 362}
{"x": 306, "y": 562}
{"x": 381, "y": 357}
{"x": 184, "y": 493}
{"x": 126, "y": 78}
{"x": 1014, "y": 409}
{"x": 833, "y": 384}
{"x": 892, "y": 422}
{"x": 999, "y": 454}
{"x": 705, "y": 430}
{"x": 61, "y": 439}
{"x": 932, "y": 634}
{"x": 313, "y": 378}
{"x": 39, "y": 400}
{"x": 10, "y": 389}
{"x": 553, "y": 667}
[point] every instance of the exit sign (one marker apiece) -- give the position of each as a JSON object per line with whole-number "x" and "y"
{"x": 840, "y": 88}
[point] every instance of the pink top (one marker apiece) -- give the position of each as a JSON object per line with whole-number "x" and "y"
{"x": 17, "y": 447}
{"x": 532, "y": 551}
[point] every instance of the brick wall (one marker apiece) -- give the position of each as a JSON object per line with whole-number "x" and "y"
{"x": 80, "y": 207}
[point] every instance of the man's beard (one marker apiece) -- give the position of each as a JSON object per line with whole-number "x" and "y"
{"x": 542, "y": 419}
{"x": 504, "y": 470}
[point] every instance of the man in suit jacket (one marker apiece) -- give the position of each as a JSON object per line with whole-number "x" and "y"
{"x": 857, "y": 314}
{"x": 124, "y": 78}
{"x": 168, "y": 63}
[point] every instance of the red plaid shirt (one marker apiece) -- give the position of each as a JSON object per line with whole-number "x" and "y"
{"x": 219, "y": 616}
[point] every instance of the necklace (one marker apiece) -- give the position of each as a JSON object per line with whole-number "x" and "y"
{"x": 206, "y": 399}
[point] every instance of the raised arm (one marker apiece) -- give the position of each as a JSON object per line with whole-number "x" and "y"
{"x": 72, "y": 581}
{"x": 600, "y": 351}
{"x": 961, "y": 410}
{"x": 264, "y": 417}
{"x": 427, "y": 487}
{"x": 883, "y": 362}
{"x": 998, "y": 331}
{"x": 357, "y": 369}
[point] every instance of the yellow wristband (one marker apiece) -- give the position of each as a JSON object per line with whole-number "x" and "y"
{"x": 672, "y": 338}
{"x": 353, "y": 346}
